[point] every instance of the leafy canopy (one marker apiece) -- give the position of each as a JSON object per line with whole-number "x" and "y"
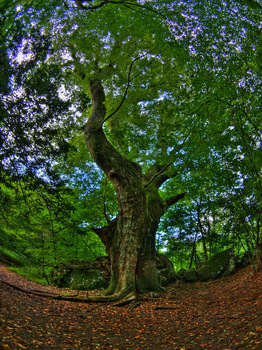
{"x": 182, "y": 83}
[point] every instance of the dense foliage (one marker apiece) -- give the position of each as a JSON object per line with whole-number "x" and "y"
{"x": 183, "y": 86}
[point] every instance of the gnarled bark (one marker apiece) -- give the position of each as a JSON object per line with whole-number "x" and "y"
{"x": 130, "y": 238}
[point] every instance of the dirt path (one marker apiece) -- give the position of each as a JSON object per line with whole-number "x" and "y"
{"x": 225, "y": 314}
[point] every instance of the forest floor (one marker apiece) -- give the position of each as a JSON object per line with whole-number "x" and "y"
{"x": 223, "y": 314}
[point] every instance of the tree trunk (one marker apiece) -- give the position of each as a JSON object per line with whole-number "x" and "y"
{"x": 146, "y": 272}
{"x": 130, "y": 238}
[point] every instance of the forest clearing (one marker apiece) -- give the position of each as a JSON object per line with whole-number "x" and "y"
{"x": 223, "y": 314}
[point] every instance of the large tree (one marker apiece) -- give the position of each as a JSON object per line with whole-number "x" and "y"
{"x": 130, "y": 238}
{"x": 154, "y": 72}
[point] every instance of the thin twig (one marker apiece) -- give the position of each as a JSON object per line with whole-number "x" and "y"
{"x": 127, "y": 87}
{"x": 104, "y": 202}
{"x": 166, "y": 308}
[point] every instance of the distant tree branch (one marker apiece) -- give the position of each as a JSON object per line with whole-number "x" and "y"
{"x": 223, "y": 101}
{"x": 129, "y": 4}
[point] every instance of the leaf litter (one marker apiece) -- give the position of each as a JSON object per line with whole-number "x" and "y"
{"x": 223, "y": 314}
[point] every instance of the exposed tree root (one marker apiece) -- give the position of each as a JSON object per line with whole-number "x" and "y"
{"x": 121, "y": 298}
{"x": 39, "y": 293}
{"x": 130, "y": 298}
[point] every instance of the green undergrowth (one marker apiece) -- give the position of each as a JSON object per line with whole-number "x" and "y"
{"x": 11, "y": 257}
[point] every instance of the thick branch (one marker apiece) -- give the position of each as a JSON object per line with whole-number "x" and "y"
{"x": 172, "y": 200}
{"x": 80, "y": 6}
{"x": 157, "y": 174}
{"x": 106, "y": 233}
{"x": 115, "y": 166}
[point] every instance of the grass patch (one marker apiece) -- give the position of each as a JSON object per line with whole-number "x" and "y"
{"x": 31, "y": 273}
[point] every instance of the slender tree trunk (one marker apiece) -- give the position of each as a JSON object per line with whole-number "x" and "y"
{"x": 202, "y": 232}
{"x": 193, "y": 252}
{"x": 130, "y": 238}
